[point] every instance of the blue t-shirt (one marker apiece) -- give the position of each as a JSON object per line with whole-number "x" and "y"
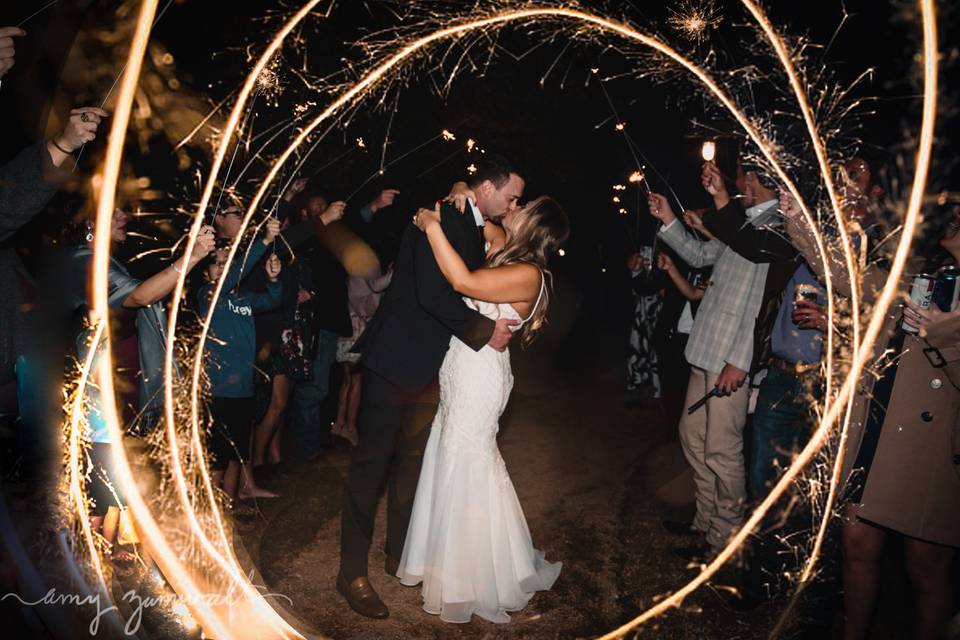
{"x": 788, "y": 341}
{"x": 231, "y": 344}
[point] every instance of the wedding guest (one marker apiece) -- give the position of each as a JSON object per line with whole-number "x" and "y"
{"x": 788, "y": 345}
{"x": 332, "y": 322}
{"x": 720, "y": 352}
{"x": 124, "y": 292}
{"x": 680, "y": 302}
{"x": 231, "y": 347}
{"x": 364, "y": 295}
{"x": 899, "y": 475}
{"x": 293, "y": 343}
{"x": 861, "y": 193}
{"x": 643, "y": 375}
{"x": 284, "y": 335}
{"x": 27, "y": 183}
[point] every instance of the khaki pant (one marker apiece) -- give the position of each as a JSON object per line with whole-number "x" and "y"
{"x": 712, "y": 441}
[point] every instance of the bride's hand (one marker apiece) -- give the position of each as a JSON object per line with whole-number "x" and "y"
{"x": 459, "y": 193}
{"x": 425, "y": 218}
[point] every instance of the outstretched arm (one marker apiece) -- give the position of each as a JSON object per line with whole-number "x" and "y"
{"x": 159, "y": 285}
{"x": 507, "y": 283}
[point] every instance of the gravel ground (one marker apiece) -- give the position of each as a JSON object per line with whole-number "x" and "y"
{"x": 595, "y": 480}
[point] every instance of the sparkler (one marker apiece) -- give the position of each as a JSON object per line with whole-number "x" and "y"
{"x": 260, "y": 620}
{"x": 708, "y": 151}
{"x": 694, "y": 19}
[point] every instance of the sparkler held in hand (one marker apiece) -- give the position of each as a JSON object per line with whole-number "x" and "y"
{"x": 708, "y": 151}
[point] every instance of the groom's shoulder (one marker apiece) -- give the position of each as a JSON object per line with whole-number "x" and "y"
{"x": 452, "y": 218}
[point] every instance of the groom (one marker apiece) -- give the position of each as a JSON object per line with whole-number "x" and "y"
{"x": 402, "y": 350}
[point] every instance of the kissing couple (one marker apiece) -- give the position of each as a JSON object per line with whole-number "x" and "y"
{"x": 470, "y": 275}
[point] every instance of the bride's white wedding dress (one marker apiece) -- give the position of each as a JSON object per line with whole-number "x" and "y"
{"x": 468, "y": 540}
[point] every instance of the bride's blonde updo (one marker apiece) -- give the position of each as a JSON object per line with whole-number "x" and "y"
{"x": 543, "y": 230}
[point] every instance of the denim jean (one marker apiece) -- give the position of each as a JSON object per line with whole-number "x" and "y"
{"x": 781, "y": 426}
{"x": 309, "y": 435}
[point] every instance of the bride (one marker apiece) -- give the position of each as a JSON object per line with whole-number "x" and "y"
{"x": 468, "y": 540}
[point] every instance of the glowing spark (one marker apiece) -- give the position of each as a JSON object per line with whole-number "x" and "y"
{"x": 616, "y": 199}
{"x": 562, "y": 253}
{"x": 620, "y": 187}
{"x": 361, "y": 144}
{"x": 635, "y": 177}
{"x": 620, "y": 126}
{"x": 708, "y": 151}
{"x": 471, "y": 143}
{"x": 693, "y": 19}
{"x": 471, "y": 168}
{"x": 447, "y": 135}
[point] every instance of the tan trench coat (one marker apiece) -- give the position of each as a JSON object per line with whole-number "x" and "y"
{"x": 913, "y": 484}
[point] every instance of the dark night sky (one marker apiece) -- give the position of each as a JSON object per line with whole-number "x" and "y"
{"x": 551, "y": 130}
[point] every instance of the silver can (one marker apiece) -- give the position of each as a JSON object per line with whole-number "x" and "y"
{"x": 921, "y": 294}
{"x": 646, "y": 253}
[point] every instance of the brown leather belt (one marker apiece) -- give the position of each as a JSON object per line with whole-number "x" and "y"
{"x": 795, "y": 368}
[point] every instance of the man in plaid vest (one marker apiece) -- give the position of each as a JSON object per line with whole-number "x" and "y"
{"x": 720, "y": 352}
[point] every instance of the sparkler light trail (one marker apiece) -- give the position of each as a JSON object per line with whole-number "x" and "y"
{"x": 259, "y": 619}
{"x": 409, "y": 52}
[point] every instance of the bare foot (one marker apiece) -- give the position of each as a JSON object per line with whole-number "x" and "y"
{"x": 255, "y": 492}
{"x": 350, "y": 434}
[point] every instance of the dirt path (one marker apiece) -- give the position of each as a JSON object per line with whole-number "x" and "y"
{"x": 595, "y": 480}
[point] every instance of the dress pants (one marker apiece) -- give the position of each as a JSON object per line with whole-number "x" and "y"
{"x": 393, "y": 426}
{"x": 712, "y": 441}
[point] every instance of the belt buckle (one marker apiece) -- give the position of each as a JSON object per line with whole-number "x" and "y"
{"x": 934, "y": 357}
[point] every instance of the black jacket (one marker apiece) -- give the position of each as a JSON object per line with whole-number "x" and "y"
{"x": 27, "y": 183}
{"x": 757, "y": 244}
{"x": 407, "y": 338}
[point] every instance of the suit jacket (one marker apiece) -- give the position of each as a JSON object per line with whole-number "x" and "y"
{"x": 407, "y": 338}
{"x": 758, "y": 244}
{"x": 723, "y": 330}
{"x": 913, "y": 484}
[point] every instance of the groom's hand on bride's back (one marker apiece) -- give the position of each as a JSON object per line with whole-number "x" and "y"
{"x": 502, "y": 334}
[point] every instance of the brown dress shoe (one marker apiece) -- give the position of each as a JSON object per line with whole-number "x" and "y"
{"x": 361, "y": 597}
